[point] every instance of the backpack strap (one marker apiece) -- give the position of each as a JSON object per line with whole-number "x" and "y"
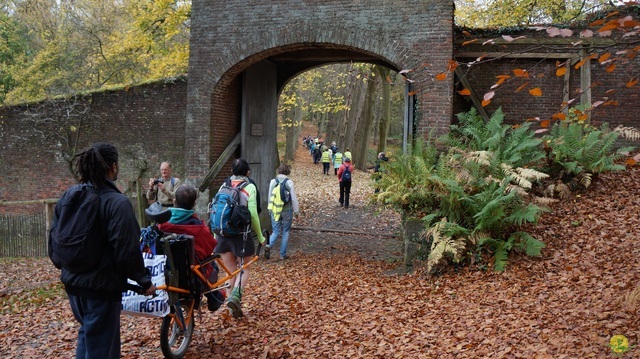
{"x": 173, "y": 181}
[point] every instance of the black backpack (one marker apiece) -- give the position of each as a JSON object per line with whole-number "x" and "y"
{"x": 346, "y": 175}
{"x": 75, "y": 237}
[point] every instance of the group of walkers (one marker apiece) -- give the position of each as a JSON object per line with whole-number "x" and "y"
{"x": 95, "y": 293}
{"x": 331, "y": 157}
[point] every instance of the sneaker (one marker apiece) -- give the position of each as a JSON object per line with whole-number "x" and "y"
{"x": 286, "y": 256}
{"x": 234, "y": 303}
{"x": 234, "y": 307}
{"x": 215, "y": 300}
{"x": 267, "y": 251}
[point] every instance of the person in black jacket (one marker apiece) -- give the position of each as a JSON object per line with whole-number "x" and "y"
{"x": 95, "y": 294}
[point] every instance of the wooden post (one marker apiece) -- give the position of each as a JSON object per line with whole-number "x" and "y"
{"x": 585, "y": 82}
{"x": 49, "y": 207}
{"x": 566, "y": 90}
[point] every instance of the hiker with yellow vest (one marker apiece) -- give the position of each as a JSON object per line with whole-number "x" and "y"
{"x": 337, "y": 161}
{"x": 283, "y": 205}
{"x": 326, "y": 160}
{"x": 347, "y": 154}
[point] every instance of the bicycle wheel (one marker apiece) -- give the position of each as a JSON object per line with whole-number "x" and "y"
{"x": 174, "y": 338}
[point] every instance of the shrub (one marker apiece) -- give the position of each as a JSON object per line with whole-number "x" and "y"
{"x": 473, "y": 197}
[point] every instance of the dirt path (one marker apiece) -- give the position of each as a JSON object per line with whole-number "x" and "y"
{"x": 368, "y": 230}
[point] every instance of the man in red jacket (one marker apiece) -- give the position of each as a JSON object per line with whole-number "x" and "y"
{"x": 184, "y": 221}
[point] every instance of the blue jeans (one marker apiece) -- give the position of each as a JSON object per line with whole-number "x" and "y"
{"x": 283, "y": 225}
{"x": 99, "y": 333}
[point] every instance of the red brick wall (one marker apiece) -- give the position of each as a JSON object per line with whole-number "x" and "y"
{"x": 146, "y": 124}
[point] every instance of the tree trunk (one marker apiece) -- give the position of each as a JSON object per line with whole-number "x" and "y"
{"x": 366, "y": 123}
{"x": 383, "y": 124}
{"x": 292, "y": 131}
{"x": 355, "y": 113}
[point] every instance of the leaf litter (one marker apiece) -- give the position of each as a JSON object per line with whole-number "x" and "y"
{"x": 346, "y": 295}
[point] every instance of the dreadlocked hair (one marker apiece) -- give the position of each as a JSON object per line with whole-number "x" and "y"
{"x": 93, "y": 163}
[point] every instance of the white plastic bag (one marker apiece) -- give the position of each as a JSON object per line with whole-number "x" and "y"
{"x": 149, "y": 306}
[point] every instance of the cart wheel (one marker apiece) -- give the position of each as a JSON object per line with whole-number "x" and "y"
{"x": 174, "y": 338}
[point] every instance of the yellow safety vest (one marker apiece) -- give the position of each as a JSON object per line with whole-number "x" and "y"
{"x": 275, "y": 202}
{"x": 337, "y": 158}
{"x": 326, "y": 156}
{"x": 348, "y": 155}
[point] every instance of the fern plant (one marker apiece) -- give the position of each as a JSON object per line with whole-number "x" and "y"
{"x": 577, "y": 152}
{"x": 517, "y": 146}
{"x": 474, "y": 196}
{"x": 481, "y": 203}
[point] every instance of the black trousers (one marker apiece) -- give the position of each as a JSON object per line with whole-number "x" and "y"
{"x": 345, "y": 190}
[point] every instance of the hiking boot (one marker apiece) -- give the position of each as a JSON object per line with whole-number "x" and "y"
{"x": 215, "y": 300}
{"x": 286, "y": 256}
{"x": 234, "y": 303}
{"x": 267, "y": 251}
{"x": 234, "y": 307}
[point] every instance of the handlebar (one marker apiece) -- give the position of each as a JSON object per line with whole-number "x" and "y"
{"x": 137, "y": 289}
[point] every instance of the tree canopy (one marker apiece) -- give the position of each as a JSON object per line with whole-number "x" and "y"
{"x": 51, "y": 48}
{"x": 501, "y": 13}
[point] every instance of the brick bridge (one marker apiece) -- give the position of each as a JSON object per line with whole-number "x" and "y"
{"x": 244, "y": 52}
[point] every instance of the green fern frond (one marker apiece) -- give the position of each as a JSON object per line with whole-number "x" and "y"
{"x": 477, "y": 237}
{"x": 500, "y": 253}
{"x": 524, "y": 241}
{"x": 525, "y": 214}
{"x": 500, "y": 257}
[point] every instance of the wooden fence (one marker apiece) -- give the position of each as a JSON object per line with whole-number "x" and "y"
{"x": 23, "y": 235}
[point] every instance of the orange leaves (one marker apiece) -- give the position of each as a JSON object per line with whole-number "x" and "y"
{"x": 559, "y": 116}
{"x": 610, "y": 68}
{"x": 604, "y": 57}
{"x": 585, "y": 60}
{"x": 465, "y": 92}
{"x": 501, "y": 79}
{"x": 632, "y": 82}
{"x": 608, "y": 27}
{"x": 596, "y": 23}
{"x": 520, "y": 73}
{"x": 522, "y": 86}
{"x": 469, "y": 42}
{"x": 560, "y": 71}
{"x": 487, "y": 98}
{"x": 451, "y": 66}
{"x": 545, "y": 123}
{"x": 535, "y": 92}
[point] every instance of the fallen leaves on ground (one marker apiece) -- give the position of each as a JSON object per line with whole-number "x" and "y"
{"x": 346, "y": 296}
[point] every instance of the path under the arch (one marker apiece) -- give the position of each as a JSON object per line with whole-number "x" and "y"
{"x": 323, "y": 226}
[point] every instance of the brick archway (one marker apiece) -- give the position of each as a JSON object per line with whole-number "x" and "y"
{"x": 275, "y": 40}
